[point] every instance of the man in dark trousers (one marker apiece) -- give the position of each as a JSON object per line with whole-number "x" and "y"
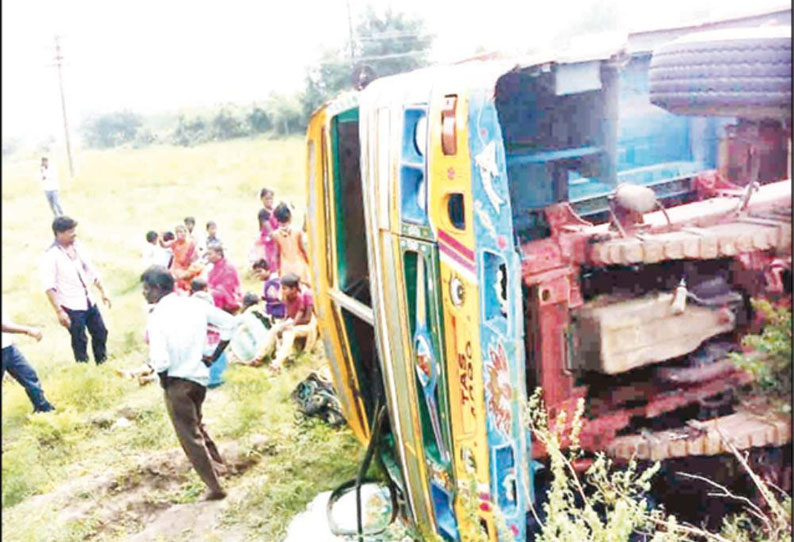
{"x": 67, "y": 274}
{"x": 177, "y": 331}
{"x": 19, "y": 367}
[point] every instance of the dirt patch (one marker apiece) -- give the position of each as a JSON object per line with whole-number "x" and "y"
{"x": 181, "y": 520}
{"x": 107, "y": 419}
{"x": 144, "y": 499}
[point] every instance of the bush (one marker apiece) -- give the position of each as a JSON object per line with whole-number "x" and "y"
{"x": 111, "y": 129}
{"x": 221, "y": 123}
{"x": 144, "y": 138}
{"x": 226, "y": 126}
{"x": 611, "y": 505}
{"x": 259, "y": 121}
{"x": 190, "y": 132}
{"x": 768, "y": 355}
{"x": 286, "y": 114}
{"x": 614, "y": 505}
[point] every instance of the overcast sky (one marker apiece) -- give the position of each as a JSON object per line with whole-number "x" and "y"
{"x": 156, "y": 55}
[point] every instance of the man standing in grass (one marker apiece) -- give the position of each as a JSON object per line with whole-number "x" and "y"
{"x": 66, "y": 274}
{"x": 49, "y": 182}
{"x": 18, "y": 367}
{"x": 177, "y": 330}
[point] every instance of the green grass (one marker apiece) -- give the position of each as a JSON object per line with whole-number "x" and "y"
{"x": 281, "y": 486}
{"x": 117, "y": 196}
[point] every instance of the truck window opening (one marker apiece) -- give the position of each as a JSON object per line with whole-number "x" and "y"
{"x": 351, "y": 245}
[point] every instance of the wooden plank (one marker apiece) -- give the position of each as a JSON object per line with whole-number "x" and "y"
{"x": 747, "y": 237}
{"x": 743, "y": 429}
{"x": 652, "y": 249}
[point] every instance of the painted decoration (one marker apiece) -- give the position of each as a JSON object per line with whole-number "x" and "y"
{"x": 501, "y": 315}
{"x": 486, "y": 161}
{"x": 498, "y": 391}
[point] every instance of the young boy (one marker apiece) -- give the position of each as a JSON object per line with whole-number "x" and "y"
{"x": 292, "y": 257}
{"x": 208, "y": 241}
{"x": 199, "y": 289}
{"x": 271, "y": 291}
{"x": 154, "y": 253}
{"x": 190, "y": 223}
{"x": 212, "y": 234}
{"x": 299, "y": 322}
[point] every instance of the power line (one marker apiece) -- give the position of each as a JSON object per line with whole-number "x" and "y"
{"x": 394, "y": 36}
{"x": 376, "y": 57}
{"x": 393, "y": 55}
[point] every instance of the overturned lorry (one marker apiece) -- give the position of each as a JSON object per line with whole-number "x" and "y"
{"x": 592, "y": 225}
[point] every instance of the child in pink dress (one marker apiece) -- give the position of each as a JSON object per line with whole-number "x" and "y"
{"x": 267, "y": 227}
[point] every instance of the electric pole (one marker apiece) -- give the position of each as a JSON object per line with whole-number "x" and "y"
{"x": 58, "y": 64}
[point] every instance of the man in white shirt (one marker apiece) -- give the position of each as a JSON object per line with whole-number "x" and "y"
{"x": 177, "y": 331}
{"x": 66, "y": 274}
{"x": 49, "y": 183}
{"x": 19, "y": 367}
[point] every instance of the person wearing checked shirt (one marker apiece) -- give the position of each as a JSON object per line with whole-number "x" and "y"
{"x": 67, "y": 273}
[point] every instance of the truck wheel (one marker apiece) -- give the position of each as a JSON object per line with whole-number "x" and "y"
{"x": 735, "y": 72}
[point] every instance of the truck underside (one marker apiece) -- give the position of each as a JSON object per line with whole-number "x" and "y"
{"x": 636, "y": 310}
{"x": 635, "y": 306}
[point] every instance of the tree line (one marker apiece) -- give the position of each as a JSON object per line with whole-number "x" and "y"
{"x": 384, "y": 43}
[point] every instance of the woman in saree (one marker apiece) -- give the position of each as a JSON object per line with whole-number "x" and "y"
{"x": 185, "y": 265}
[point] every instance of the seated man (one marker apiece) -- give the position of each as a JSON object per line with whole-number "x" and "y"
{"x": 299, "y": 322}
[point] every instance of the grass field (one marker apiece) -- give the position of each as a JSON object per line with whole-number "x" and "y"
{"x": 63, "y": 471}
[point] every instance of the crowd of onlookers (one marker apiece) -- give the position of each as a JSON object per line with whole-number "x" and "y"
{"x": 196, "y": 313}
{"x": 267, "y": 323}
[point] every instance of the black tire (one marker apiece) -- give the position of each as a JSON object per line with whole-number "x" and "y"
{"x": 738, "y": 73}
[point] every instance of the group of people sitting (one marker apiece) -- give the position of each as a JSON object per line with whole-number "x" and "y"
{"x": 268, "y": 325}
